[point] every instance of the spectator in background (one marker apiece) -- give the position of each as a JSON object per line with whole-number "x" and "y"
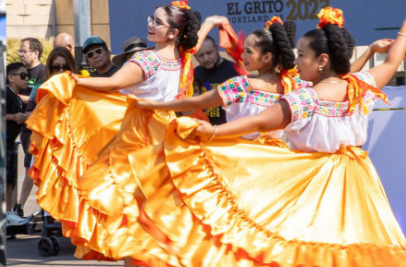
{"x": 98, "y": 57}
{"x": 131, "y": 45}
{"x": 213, "y": 70}
{"x": 17, "y": 81}
{"x": 65, "y": 40}
{"x": 30, "y": 54}
{"x": 59, "y": 60}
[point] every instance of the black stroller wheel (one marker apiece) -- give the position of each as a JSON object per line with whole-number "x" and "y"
{"x": 56, "y": 245}
{"x": 45, "y": 247}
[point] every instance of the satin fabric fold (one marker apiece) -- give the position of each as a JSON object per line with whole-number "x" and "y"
{"x": 75, "y": 138}
{"x": 239, "y": 203}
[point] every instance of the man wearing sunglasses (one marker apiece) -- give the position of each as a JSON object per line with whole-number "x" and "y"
{"x": 17, "y": 81}
{"x": 98, "y": 57}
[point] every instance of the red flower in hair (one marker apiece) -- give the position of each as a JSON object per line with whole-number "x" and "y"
{"x": 330, "y": 15}
{"x": 274, "y": 19}
{"x": 181, "y": 4}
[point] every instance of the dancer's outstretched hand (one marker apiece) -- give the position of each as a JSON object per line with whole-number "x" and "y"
{"x": 205, "y": 131}
{"x": 216, "y": 20}
{"x": 75, "y": 77}
{"x": 381, "y": 45}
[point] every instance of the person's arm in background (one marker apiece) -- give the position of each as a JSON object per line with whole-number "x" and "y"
{"x": 24, "y": 98}
{"x": 379, "y": 46}
{"x": 17, "y": 117}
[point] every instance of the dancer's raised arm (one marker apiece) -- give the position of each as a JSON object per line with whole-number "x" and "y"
{"x": 379, "y": 46}
{"x": 384, "y": 72}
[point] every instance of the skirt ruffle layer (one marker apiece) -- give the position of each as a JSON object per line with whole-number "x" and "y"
{"x": 81, "y": 167}
{"x": 238, "y": 203}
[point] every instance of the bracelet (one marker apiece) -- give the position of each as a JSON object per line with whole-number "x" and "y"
{"x": 402, "y": 34}
{"x": 214, "y": 133}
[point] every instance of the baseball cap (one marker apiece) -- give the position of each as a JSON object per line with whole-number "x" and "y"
{"x": 92, "y": 40}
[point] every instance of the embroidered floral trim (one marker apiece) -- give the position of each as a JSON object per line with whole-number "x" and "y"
{"x": 302, "y": 84}
{"x": 366, "y": 77}
{"x": 263, "y": 98}
{"x": 238, "y": 90}
{"x": 175, "y": 64}
{"x": 301, "y": 102}
{"x": 304, "y": 103}
{"x": 151, "y": 62}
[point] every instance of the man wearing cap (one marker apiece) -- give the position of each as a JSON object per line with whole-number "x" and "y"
{"x": 131, "y": 45}
{"x": 98, "y": 57}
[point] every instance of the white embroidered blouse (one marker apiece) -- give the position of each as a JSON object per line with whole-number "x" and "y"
{"x": 324, "y": 126}
{"x": 161, "y": 77}
{"x": 240, "y": 99}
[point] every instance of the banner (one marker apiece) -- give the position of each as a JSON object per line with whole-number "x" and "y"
{"x": 367, "y": 20}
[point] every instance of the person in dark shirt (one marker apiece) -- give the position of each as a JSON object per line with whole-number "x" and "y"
{"x": 212, "y": 71}
{"x": 17, "y": 80}
{"x": 98, "y": 57}
{"x": 30, "y": 54}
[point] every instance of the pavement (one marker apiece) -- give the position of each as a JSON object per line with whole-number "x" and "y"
{"x": 23, "y": 251}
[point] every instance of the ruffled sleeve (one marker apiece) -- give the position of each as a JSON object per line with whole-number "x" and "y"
{"x": 234, "y": 90}
{"x": 302, "y": 104}
{"x": 149, "y": 61}
{"x": 366, "y": 77}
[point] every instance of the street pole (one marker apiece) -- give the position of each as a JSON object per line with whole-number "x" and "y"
{"x": 81, "y": 10}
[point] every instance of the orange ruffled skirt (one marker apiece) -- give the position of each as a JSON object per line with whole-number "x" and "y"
{"x": 80, "y": 143}
{"x": 240, "y": 203}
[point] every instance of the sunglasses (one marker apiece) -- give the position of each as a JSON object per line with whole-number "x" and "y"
{"x": 57, "y": 68}
{"x": 90, "y": 54}
{"x": 22, "y": 75}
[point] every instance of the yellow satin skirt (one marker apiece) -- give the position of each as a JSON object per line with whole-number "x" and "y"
{"x": 240, "y": 203}
{"x": 80, "y": 143}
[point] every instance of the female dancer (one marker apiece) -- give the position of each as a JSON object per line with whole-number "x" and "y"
{"x": 95, "y": 204}
{"x": 240, "y": 204}
{"x": 267, "y": 51}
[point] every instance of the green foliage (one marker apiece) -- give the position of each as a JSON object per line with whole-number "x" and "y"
{"x": 13, "y": 45}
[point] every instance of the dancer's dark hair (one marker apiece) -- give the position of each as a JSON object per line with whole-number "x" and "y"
{"x": 279, "y": 40}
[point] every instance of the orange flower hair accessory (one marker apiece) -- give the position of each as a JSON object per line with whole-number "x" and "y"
{"x": 181, "y": 4}
{"x": 274, "y": 19}
{"x": 330, "y": 15}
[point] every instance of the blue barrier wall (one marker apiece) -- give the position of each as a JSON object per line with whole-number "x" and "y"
{"x": 367, "y": 20}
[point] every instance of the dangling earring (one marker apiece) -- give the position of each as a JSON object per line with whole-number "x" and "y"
{"x": 320, "y": 68}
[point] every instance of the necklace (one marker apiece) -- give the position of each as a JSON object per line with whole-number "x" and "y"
{"x": 329, "y": 81}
